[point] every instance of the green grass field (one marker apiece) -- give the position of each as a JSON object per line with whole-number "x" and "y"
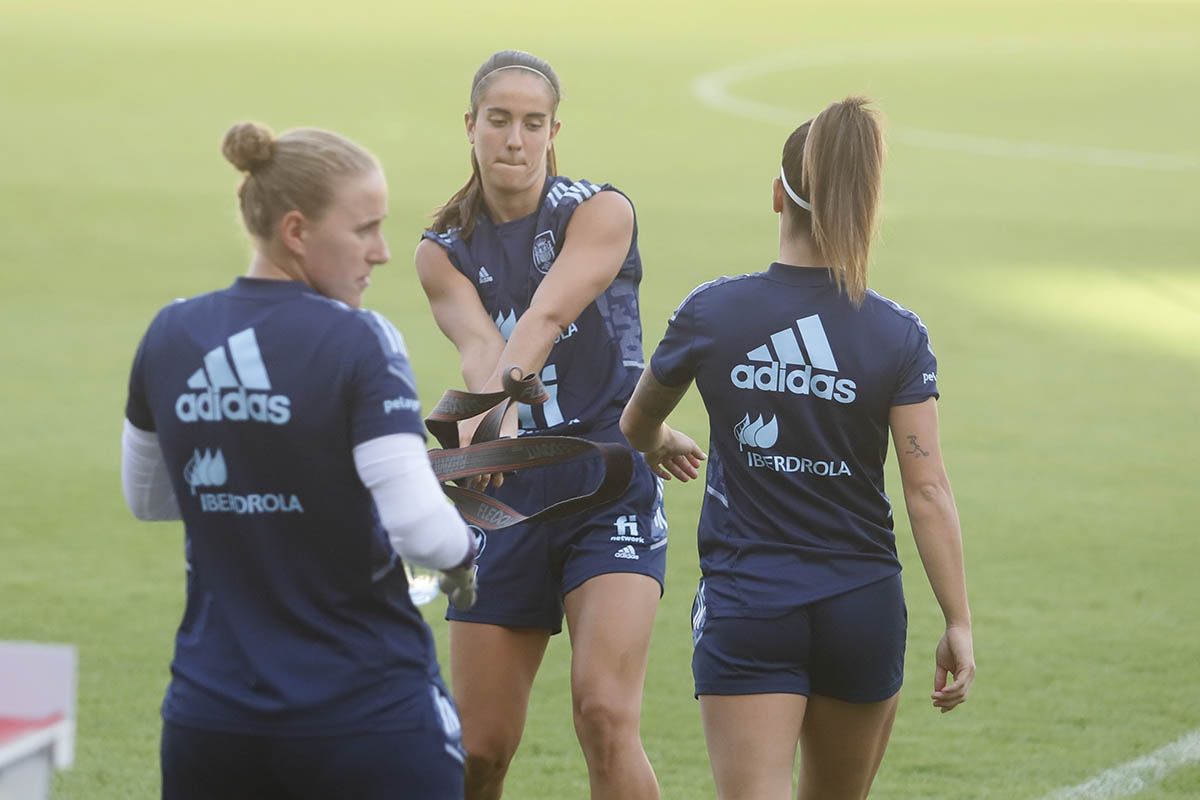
{"x": 1041, "y": 214}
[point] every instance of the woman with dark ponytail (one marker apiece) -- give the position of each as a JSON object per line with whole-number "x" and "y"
{"x": 799, "y": 621}
{"x": 523, "y": 266}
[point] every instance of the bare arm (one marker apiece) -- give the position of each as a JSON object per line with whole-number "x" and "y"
{"x": 668, "y": 452}
{"x": 935, "y": 525}
{"x": 460, "y": 315}
{"x": 597, "y": 241}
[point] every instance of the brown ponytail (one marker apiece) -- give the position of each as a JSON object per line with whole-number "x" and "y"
{"x": 462, "y": 209}
{"x": 836, "y": 163}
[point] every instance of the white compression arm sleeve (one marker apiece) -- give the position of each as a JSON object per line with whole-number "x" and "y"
{"x": 144, "y": 479}
{"x": 421, "y": 523}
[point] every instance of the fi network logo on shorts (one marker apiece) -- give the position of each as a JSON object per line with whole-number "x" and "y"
{"x": 781, "y": 366}
{"x": 223, "y": 395}
{"x": 626, "y": 531}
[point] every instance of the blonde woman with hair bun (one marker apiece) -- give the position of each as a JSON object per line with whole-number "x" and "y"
{"x": 280, "y": 422}
{"x": 799, "y": 621}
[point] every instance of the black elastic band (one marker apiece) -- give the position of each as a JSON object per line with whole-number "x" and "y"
{"x": 490, "y": 454}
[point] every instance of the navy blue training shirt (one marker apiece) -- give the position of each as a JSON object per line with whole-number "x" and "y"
{"x": 798, "y": 385}
{"x": 298, "y": 619}
{"x": 596, "y": 362}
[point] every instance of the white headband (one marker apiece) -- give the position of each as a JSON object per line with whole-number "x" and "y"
{"x": 807, "y": 206}
{"x": 534, "y": 70}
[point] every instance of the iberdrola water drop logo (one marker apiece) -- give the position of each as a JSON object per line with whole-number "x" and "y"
{"x": 756, "y": 433}
{"x": 205, "y": 469}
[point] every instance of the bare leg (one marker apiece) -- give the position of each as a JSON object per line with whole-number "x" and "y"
{"x": 492, "y": 669}
{"x": 610, "y": 618}
{"x": 841, "y": 747}
{"x": 752, "y": 743}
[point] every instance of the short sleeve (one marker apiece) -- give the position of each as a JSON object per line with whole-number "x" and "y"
{"x": 918, "y": 378}
{"x": 383, "y": 391}
{"x": 674, "y": 361}
{"x": 455, "y": 247}
{"x": 137, "y": 404}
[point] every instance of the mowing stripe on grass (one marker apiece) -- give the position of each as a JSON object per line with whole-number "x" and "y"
{"x": 1137, "y": 775}
{"x": 714, "y": 90}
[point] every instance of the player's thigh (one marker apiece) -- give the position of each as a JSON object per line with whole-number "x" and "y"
{"x": 752, "y": 679}
{"x": 517, "y": 573}
{"x": 492, "y": 670}
{"x": 610, "y": 618}
{"x": 628, "y": 535}
{"x": 858, "y": 667}
{"x": 751, "y": 741}
{"x": 841, "y": 747}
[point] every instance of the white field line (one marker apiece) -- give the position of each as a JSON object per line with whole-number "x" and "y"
{"x": 1137, "y": 775}
{"x": 715, "y": 89}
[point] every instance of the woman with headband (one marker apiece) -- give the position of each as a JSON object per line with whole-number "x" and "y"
{"x": 799, "y": 622}
{"x": 525, "y": 267}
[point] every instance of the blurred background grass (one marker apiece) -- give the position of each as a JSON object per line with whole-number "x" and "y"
{"x": 1063, "y": 298}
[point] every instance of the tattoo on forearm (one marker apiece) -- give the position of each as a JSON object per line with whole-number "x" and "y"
{"x": 916, "y": 448}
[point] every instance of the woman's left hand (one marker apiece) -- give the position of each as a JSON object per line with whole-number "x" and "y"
{"x": 675, "y": 455}
{"x": 955, "y": 668}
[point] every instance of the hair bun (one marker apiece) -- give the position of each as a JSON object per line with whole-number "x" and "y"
{"x": 249, "y": 146}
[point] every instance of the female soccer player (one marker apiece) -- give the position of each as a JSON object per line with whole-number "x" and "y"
{"x": 525, "y": 267}
{"x": 799, "y": 622}
{"x": 281, "y": 423}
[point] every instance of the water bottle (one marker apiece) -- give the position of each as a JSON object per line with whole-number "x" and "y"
{"x": 422, "y": 584}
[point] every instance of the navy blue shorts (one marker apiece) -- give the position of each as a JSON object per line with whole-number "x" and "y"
{"x": 849, "y": 647}
{"x": 524, "y": 571}
{"x": 423, "y": 764}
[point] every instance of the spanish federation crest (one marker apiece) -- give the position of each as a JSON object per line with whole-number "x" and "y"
{"x": 543, "y": 251}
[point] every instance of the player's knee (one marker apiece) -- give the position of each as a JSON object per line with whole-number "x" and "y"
{"x": 825, "y": 782}
{"x": 605, "y": 723}
{"x": 487, "y": 768}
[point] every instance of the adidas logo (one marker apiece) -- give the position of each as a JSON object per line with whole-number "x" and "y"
{"x": 787, "y": 370}
{"x": 484, "y": 276}
{"x": 626, "y": 552}
{"x": 205, "y": 469}
{"x": 241, "y": 396}
{"x": 756, "y": 433}
{"x": 505, "y": 324}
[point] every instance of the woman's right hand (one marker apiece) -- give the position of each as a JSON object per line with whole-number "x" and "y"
{"x": 467, "y": 429}
{"x": 955, "y": 657}
{"x": 675, "y": 454}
